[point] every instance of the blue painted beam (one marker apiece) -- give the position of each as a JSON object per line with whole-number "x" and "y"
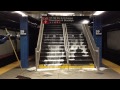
{"x": 24, "y": 46}
{"x": 97, "y": 34}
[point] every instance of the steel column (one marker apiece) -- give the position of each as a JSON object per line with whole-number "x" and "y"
{"x": 24, "y": 50}
{"x": 97, "y": 34}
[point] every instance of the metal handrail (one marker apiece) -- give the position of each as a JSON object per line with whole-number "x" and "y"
{"x": 39, "y": 43}
{"x": 91, "y": 45}
{"x": 66, "y": 43}
{"x": 68, "y": 50}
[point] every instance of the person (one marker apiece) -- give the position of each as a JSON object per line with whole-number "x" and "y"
{"x": 78, "y": 53}
{"x": 3, "y": 39}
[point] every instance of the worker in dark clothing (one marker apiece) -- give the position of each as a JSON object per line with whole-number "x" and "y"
{"x": 78, "y": 53}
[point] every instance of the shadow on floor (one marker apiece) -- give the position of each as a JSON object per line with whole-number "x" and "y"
{"x": 22, "y": 77}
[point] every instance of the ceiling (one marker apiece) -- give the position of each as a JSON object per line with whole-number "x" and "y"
{"x": 7, "y": 19}
{"x": 37, "y": 14}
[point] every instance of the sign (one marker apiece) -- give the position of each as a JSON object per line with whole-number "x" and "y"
{"x": 22, "y": 32}
{"x": 62, "y": 19}
{"x": 98, "y": 32}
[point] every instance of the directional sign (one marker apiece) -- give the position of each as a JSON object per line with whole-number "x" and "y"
{"x": 63, "y": 19}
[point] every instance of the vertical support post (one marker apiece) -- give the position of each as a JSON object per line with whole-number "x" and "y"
{"x": 97, "y": 35}
{"x": 24, "y": 48}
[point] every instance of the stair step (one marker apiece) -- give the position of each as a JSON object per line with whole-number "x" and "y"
{"x": 64, "y": 52}
{"x": 79, "y": 48}
{"x": 53, "y": 25}
{"x": 75, "y": 38}
{"x": 54, "y": 60}
{"x": 73, "y": 32}
{"x": 77, "y": 43}
{"x": 79, "y": 56}
{"x": 51, "y": 54}
{"x": 54, "y": 64}
{"x": 53, "y": 43}
{"x": 79, "y": 52}
{"x": 49, "y": 45}
{"x": 46, "y": 32}
{"x": 53, "y": 34}
{"x": 52, "y": 50}
{"x": 76, "y": 34}
{"x": 54, "y": 56}
{"x": 85, "y": 55}
{"x": 54, "y": 39}
{"x": 53, "y": 29}
{"x": 80, "y": 60}
{"x": 71, "y": 49}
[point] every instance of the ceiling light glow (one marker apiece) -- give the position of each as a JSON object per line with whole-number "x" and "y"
{"x": 62, "y": 14}
{"x": 21, "y": 13}
{"x": 98, "y": 12}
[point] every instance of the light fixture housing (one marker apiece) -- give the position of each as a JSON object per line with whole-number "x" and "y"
{"x": 96, "y": 13}
{"x": 62, "y": 14}
{"x": 21, "y": 13}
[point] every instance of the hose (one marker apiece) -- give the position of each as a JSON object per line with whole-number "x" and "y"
{"x": 3, "y": 39}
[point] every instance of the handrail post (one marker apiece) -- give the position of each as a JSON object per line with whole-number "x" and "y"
{"x": 39, "y": 42}
{"x": 66, "y": 44}
{"x": 92, "y": 46}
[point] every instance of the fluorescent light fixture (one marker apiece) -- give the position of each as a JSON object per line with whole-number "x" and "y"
{"x": 21, "y": 13}
{"x": 62, "y": 14}
{"x": 85, "y": 21}
{"x": 98, "y": 12}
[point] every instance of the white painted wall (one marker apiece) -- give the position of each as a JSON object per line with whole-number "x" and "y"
{"x": 6, "y": 47}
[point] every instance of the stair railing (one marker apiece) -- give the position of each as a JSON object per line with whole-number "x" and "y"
{"x": 39, "y": 43}
{"x": 91, "y": 45}
{"x": 66, "y": 42}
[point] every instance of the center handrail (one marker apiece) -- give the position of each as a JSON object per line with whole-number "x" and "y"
{"x": 66, "y": 42}
{"x": 39, "y": 43}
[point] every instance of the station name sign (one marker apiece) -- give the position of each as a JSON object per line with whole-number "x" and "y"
{"x": 62, "y": 19}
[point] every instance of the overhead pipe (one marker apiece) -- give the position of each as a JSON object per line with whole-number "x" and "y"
{"x": 16, "y": 17}
{"x": 7, "y": 19}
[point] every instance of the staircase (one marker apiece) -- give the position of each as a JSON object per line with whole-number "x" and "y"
{"x": 52, "y": 49}
{"x": 79, "y": 52}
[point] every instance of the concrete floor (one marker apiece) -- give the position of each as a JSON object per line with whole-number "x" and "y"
{"x": 106, "y": 73}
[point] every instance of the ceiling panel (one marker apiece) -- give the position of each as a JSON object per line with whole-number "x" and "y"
{"x": 37, "y": 14}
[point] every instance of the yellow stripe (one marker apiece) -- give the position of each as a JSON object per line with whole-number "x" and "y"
{"x": 111, "y": 65}
{"x": 11, "y": 66}
{"x": 67, "y": 66}
{"x": 8, "y": 67}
